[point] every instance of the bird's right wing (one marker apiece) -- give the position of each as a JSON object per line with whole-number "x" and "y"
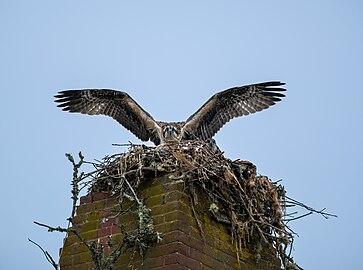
{"x": 116, "y": 104}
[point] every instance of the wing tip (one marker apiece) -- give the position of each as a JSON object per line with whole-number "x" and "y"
{"x": 272, "y": 88}
{"x": 272, "y": 83}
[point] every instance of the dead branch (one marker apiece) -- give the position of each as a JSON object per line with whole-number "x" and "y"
{"x": 312, "y": 210}
{"x": 48, "y": 257}
{"x": 75, "y": 183}
{"x": 52, "y": 229}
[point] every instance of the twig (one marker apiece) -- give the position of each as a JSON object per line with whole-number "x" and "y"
{"x": 76, "y": 179}
{"x": 321, "y": 212}
{"x": 122, "y": 144}
{"x": 52, "y": 229}
{"x": 220, "y": 220}
{"x": 46, "y": 254}
{"x": 192, "y": 200}
{"x": 301, "y": 216}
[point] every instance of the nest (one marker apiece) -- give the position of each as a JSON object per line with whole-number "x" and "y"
{"x": 253, "y": 206}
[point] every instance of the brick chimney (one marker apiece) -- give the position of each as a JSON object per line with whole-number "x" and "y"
{"x": 191, "y": 239}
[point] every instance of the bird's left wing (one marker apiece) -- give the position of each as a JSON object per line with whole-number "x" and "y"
{"x": 116, "y": 104}
{"x": 231, "y": 103}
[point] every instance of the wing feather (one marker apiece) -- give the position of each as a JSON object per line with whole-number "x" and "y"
{"x": 231, "y": 103}
{"x": 116, "y": 104}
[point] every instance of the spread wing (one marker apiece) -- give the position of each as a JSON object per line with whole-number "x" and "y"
{"x": 231, "y": 103}
{"x": 116, "y": 104}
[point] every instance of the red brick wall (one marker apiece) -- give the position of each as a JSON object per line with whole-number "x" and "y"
{"x": 182, "y": 247}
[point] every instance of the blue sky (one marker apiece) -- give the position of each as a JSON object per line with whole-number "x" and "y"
{"x": 171, "y": 56}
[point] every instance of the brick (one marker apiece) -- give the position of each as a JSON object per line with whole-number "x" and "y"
{"x": 154, "y": 200}
{"x": 99, "y": 196}
{"x": 111, "y": 202}
{"x": 108, "y": 231}
{"x": 90, "y": 226}
{"x": 172, "y": 267}
{"x": 90, "y": 207}
{"x": 219, "y": 255}
{"x": 175, "y": 185}
{"x": 190, "y": 263}
{"x": 173, "y": 225}
{"x": 79, "y": 219}
{"x": 84, "y": 200}
{"x": 182, "y": 260}
{"x": 105, "y": 213}
{"x": 171, "y": 259}
{"x": 89, "y": 235}
{"x": 153, "y": 191}
{"x": 83, "y": 257}
{"x": 175, "y": 195}
{"x": 158, "y": 219}
{"x": 83, "y": 266}
{"x": 69, "y": 267}
{"x": 161, "y": 250}
{"x": 79, "y": 248}
{"x": 107, "y": 222}
{"x": 124, "y": 258}
{"x": 180, "y": 236}
{"x": 73, "y": 249}
{"x": 66, "y": 260}
{"x": 177, "y": 215}
{"x": 198, "y": 255}
{"x": 91, "y": 216}
{"x": 127, "y": 217}
{"x": 149, "y": 263}
{"x": 205, "y": 259}
{"x": 170, "y": 207}
{"x": 204, "y": 267}
{"x": 68, "y": 241}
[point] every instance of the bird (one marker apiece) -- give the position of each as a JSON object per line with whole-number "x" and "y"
{"x": 212, "y": 145}
{"x": 201, "y": 125}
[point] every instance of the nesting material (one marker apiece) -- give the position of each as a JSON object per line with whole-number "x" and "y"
{"x": 251, "y": 205}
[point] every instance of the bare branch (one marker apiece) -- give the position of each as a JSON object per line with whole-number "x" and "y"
{"x": 321, "y": 212}
{"x": 46, "y": 254}
{"x": 52, "y": 229}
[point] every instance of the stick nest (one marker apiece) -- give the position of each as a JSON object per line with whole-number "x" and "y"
{"x": 251, "y": 205}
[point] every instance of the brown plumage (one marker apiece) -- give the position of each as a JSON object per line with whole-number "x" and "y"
{"x": 203, "y": 124}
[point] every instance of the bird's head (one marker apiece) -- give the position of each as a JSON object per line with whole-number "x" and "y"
{"x": 171, "y": 133}
{"x": 213, "y": 145}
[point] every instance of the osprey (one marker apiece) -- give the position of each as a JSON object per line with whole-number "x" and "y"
{"x": 203, "y": 124}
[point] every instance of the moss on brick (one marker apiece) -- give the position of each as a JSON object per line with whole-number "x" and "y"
{"x": 183, "y": 245}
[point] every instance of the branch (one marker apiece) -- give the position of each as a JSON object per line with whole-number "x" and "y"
{"x": 132, "y": 190}
{"x": 46, "y": 254}
{"x": 321, "y": 212}
{"x": 52, "y": 229}
{"x": 301, "y": 216}
{"x": 76, "y": 179}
